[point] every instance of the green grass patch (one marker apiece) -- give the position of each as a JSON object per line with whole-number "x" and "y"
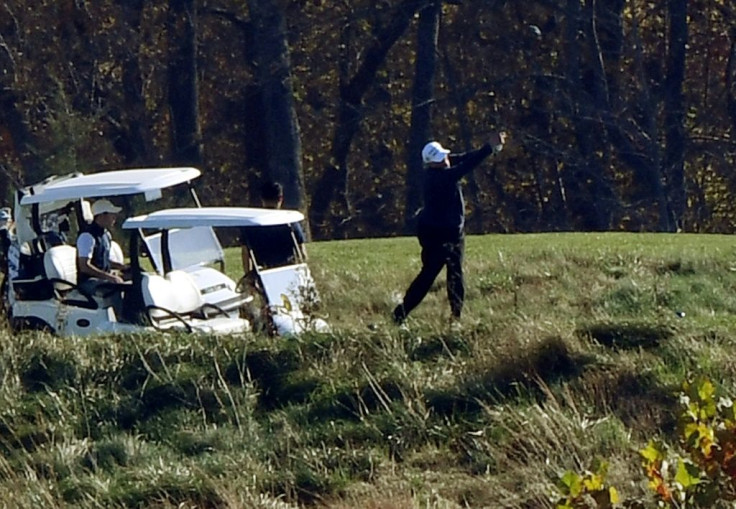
{"x": 573, "y": 346}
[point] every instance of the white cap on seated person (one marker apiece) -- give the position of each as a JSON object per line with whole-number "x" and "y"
{"x": 104, "y": 207}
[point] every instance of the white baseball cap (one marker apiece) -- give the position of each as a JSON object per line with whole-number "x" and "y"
{"x": 433, "y": 152}
{"x": 104, "y": 206}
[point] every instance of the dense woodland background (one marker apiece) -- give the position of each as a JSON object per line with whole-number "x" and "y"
{"x": 621, "y": 113}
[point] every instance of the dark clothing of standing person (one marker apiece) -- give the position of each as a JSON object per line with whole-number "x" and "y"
{"x": 273, "y": 244}
{"x": 441, "y": 224}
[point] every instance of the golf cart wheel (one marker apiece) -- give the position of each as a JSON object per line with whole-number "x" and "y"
{"x": 30, "y": 323}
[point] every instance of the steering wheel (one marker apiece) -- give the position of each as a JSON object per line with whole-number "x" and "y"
{"x": 218, "y": 310}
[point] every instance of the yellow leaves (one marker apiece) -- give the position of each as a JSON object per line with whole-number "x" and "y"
{"x": 700, "y": 472}
{"x": 571, "y": 483}
{"x": 576, "y": 488}
{"x": 701, "y": 436}
{"x": 593, "y": 482}
{"x": 654, "y": 452}
{"x": 687, "y": 475}
{"x": 706, "y": 390}
{"x": 708, "y": 441}
{"x": 654, "y": 455}
{"x": 613, "y": 495}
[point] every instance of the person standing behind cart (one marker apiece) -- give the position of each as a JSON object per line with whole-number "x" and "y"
{"x": 94, "y": 266}
{"x": 441, "y": 224}
{"x": 270, "y": 244}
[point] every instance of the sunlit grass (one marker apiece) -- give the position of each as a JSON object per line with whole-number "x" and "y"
{"x": 572, "y": 348}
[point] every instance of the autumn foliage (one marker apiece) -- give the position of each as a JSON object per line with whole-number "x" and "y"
{"x": 621, "y": 113}
{"x": 698, "y": 472}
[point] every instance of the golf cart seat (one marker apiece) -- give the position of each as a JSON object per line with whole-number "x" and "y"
{"x": 46, "y": 241}
{"x": 174, "y": 300}
{"x": 170, "y": 295}
{"x": 60, "y": 267}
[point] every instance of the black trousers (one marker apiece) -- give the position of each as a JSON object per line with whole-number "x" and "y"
{"x": 439, "y": 249}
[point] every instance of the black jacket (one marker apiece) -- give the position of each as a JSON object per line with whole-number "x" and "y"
{"x": 444, "y": 206}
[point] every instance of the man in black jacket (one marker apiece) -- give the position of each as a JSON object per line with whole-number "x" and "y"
{"x": 441, "y": 223}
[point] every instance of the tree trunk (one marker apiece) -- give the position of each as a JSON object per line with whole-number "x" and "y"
{"x": 649, "y": 173}
{"x": 594, "y": 198}
{"x": 182, "y": 75}
{"x": 421, "y": 111}
{"x": 131, "y": 138}
{"x": 280, "y": 123}
{"x": 350, "y": 116}
{"x": 674, "y": 111}
{"x": 731, "y": 80}
{"x": 14, "y": 124}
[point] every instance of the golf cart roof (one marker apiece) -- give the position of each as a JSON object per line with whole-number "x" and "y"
{"x": 109, "y": 183}
{"x": 214, "y": 217}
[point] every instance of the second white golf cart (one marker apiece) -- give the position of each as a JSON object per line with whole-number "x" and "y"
{"x": 278, "y": 294}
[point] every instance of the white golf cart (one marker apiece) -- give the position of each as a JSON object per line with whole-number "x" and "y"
{"x": 278, "y": 295}
{"x": 40, "y": 285}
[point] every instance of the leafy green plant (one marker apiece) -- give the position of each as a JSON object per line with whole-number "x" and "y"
{"x": 703, "y": 473}
{"x": 587, "y": 490}
{"x": 699, "y": 473}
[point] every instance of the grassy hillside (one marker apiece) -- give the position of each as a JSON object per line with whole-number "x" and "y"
{"x": 573, "y": 348}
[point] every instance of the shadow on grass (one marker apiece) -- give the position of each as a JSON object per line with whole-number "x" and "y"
{"x": 47, "y": 371}
{"x": 282, "y": 380}
{"x": 351, "y": 403}
{"x": 625, "y": 336}
{"x": 675, "y": 267}
{"x": 519, "y": 376}
{"x": 515, "y": 377}
{"x": 277, "y": 375}
{"x": 437, "y": 347}
{"x": 643, "y": 403}
{"x": 639, "y": 399}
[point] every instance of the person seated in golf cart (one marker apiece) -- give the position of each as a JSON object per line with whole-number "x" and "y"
{"x": 96, "y": 264}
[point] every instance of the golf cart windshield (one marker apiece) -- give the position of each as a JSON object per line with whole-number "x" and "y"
{"x": 190, "y": 236}
{"x": 188, "y": 247}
